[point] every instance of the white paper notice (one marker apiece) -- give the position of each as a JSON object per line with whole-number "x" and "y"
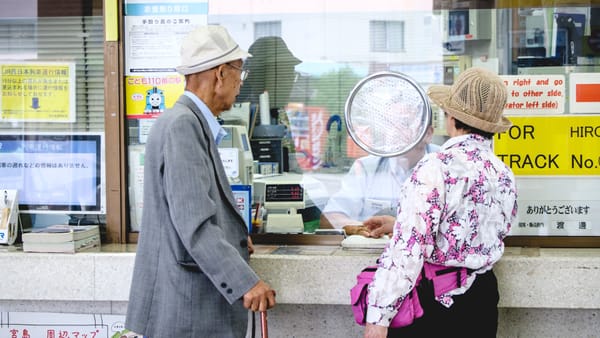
{"x": 229, "y": 158}
{"x": 535, "y": 94}
{"x": 154, "y": 30}
{"x": 136, "y": 185}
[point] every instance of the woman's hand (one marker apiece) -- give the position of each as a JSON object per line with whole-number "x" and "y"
{"x": 375, "y": 331}
{"x": 356, "y": 229}
{"x": 380, "y": 225}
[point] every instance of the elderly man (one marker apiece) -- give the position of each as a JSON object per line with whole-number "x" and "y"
{"x": 191, "y": 276}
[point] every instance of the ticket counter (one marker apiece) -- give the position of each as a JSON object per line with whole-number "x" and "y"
{"x": 543, "y": 292}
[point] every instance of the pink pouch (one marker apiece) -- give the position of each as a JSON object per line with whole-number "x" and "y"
{"x": 445, "y": 278}
{"x": 409, "y": 310}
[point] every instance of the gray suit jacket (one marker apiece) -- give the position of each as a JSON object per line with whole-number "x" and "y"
{"x": 191, "y": 266}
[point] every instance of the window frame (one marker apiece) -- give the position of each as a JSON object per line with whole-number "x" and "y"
{"x": 537, "y": 241}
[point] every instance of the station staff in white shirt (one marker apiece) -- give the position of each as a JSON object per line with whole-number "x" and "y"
{"x": 372, "y": 186}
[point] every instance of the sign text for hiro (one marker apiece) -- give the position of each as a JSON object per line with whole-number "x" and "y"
{"x": 551, "y": 145}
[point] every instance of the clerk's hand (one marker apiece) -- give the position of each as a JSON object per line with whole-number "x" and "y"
{"x": 380, "y": 225}
{"x": 260, "y": 298}
{"x": 356, "y": 229}
{"x": 375, "y": 331}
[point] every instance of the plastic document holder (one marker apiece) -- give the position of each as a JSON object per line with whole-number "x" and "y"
{"x": 9, "y": 221}
{"x": 362, "y": 242}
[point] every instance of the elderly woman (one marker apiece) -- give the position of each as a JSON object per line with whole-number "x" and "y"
{"x": 455, "y": 210}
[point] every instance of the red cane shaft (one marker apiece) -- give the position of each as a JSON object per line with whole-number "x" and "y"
{"x": 263, "y": 324}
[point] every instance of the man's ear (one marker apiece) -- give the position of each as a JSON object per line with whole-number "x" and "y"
{"x": 219, "y": 72}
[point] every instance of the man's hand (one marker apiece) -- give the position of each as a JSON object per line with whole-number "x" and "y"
{"x": 380, "y": 225}
{"x": 250, "y": 246}
{"x": 260, "y": 298}
{"x": 375, "y": 331}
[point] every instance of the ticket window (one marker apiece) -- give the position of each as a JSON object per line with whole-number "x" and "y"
{"x": 553, "y": 105}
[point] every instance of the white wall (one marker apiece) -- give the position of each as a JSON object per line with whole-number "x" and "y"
{"x": 18, "y": 8}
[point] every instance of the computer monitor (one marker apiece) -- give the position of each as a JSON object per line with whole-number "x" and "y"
{"x": 458, "y": 22}
{"x": 61, "y": 173}
{"x": 466, "y": 24}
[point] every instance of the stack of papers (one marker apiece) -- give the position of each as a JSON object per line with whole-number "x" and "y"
{"x": 362, "y": 242}
{"x": 62, "y": 238}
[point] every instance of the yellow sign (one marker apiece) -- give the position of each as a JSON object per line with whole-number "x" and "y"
{"x": 551, "y": 145}
{"x": 148, "y": 96}
{"x": 40, "y": 92}
{"x": 111, "y": 20}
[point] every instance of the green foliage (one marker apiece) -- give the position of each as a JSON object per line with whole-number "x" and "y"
{"x": 332, "y": 88}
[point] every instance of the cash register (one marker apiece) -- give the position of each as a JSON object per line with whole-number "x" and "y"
{"x": 282, "y": 197}
{"x": 292, "y": 201}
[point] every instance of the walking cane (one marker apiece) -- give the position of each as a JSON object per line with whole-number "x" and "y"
{"x": 263, "y": 324}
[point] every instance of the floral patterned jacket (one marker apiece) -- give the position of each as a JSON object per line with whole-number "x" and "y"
{"x": 454, "y": 210}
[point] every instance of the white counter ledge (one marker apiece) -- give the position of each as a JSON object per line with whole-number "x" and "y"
{"x": 528, "y": 277}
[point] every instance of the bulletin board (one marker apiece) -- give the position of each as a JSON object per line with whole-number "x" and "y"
{"x": 556, "y": 161}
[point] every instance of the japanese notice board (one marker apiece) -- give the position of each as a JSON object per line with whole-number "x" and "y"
{"x": 148, "y": 96}
{"x": 557, "y": 163}
{"x": 37, "y": 92}
{"x": 154, "y": 30}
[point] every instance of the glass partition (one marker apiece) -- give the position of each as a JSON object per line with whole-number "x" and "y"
{"x": 309, "y": 55}
{"x": 52, "y": 76}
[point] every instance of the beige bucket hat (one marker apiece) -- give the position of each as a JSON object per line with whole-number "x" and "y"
{"x": 207, "y": 47}
{"x": 477, "y": 99}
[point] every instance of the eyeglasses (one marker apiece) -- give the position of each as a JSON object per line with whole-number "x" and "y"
{"x": 243, "y": 72}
